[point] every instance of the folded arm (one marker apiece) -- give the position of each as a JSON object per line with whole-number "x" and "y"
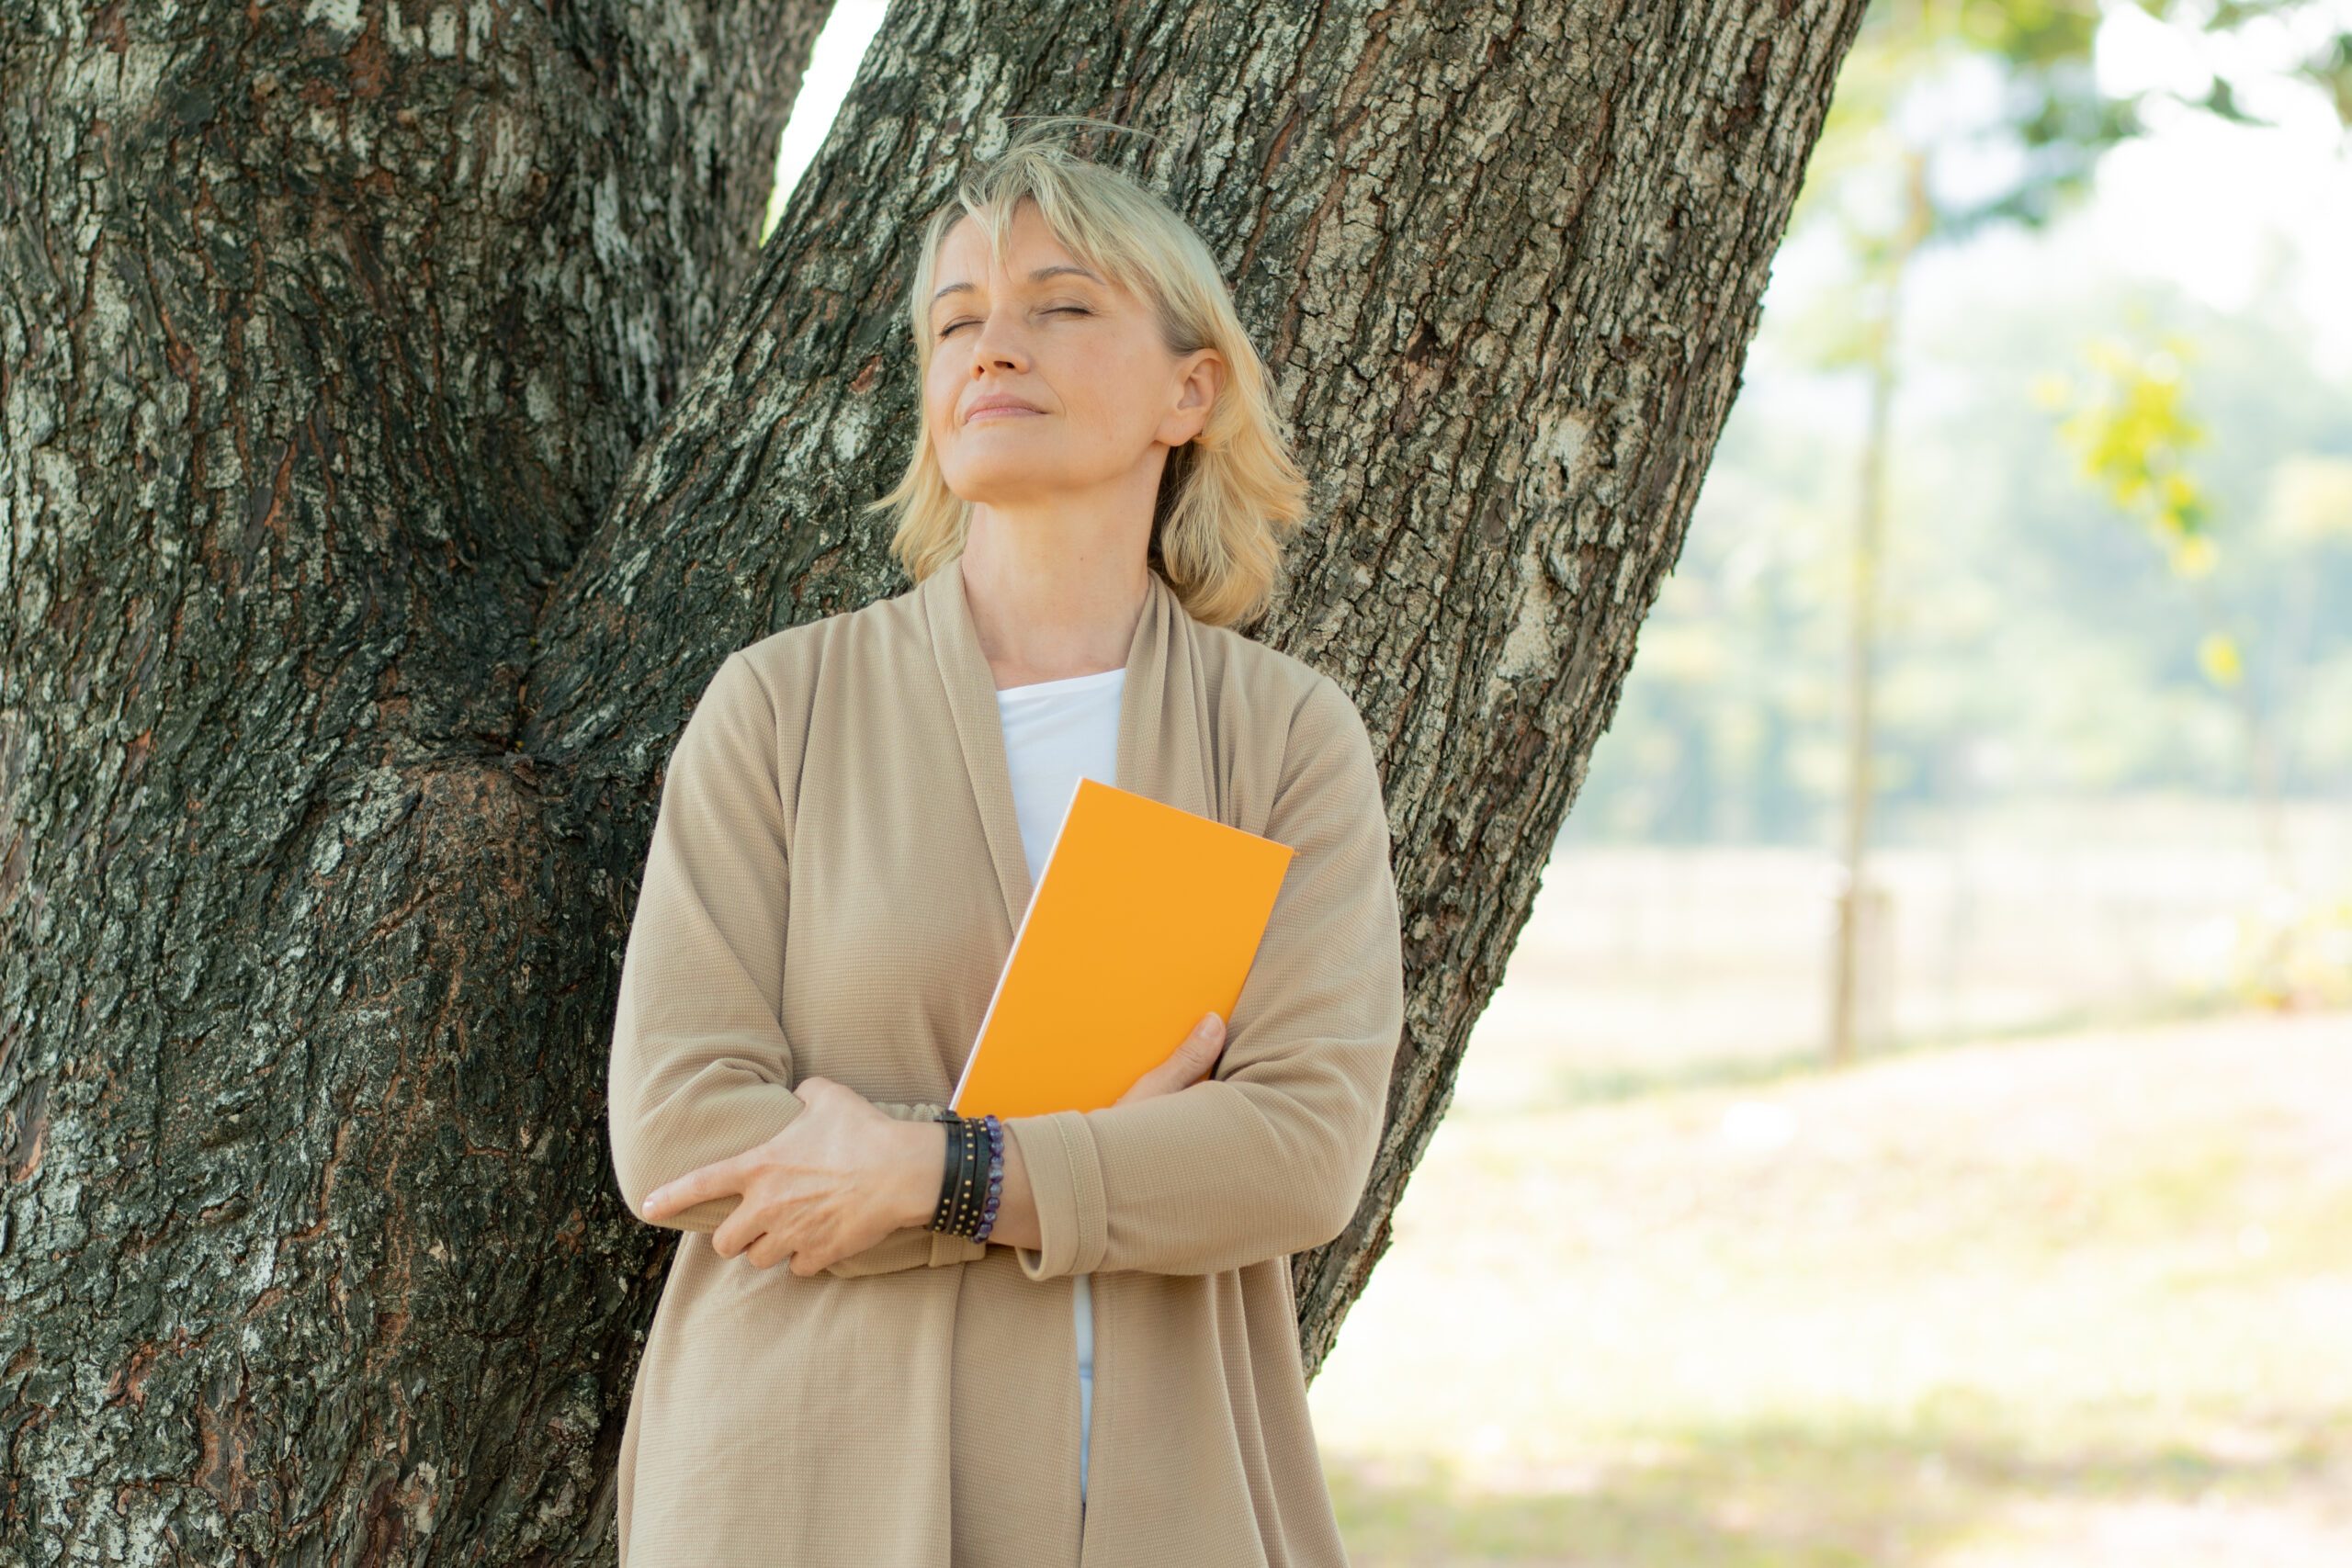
{"x": 1269, "y": 1156}
{"x": 701, "y": 1069}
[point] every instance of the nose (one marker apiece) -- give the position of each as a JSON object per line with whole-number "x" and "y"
{"x": 996, "y": 342}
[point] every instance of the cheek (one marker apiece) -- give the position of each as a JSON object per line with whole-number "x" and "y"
{"x": 939, "y": 401}
{"x": 1123, "y": 390}
{"x": 1123, "y": 416}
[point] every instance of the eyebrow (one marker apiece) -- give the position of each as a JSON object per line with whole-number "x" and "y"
{"x": 1039, "y": 276}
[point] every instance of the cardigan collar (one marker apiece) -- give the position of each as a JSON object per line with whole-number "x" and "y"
{"x": 1162, "y": 743}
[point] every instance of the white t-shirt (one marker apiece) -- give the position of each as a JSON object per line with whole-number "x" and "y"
{"x": 1056, "y": 732}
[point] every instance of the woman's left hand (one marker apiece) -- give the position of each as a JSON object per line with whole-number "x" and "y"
{"x": 836, "y": 1181}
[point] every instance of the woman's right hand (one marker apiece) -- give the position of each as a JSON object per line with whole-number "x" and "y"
{"x": 1194, "y": 1059}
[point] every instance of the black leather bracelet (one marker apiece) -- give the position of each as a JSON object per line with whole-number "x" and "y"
{"x": 958, "y": 1210}
{"x": 971, "y": 1176}
{"x": 951, "y": 1198}
{"x": 947, "y": 1174}
{"x": 967, "y": 1192}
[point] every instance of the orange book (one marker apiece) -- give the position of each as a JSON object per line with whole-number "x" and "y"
{"x": 1145, "y": 918}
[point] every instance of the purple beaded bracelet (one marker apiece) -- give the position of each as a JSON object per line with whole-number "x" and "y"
{"x": 996, "y": 1177}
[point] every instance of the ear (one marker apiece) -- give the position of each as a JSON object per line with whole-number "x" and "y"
{"x": 1202, "y": 381}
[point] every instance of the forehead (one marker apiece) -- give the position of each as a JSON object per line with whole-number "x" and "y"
{"x": 1030, "y": 246}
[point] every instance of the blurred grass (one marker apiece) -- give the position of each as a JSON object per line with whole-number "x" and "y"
{"x": 2063, "y": 1298}
{"x": 1645, "y": 967}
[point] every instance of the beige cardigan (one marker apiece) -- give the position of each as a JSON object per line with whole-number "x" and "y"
{"x": 833, "y": 884}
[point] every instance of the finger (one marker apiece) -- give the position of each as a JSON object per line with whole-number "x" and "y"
{"x": 1194, "y": 1056}
{"x": 713, "y": 1180}
{"x": 740, "y": 1232}
{"x": 1208, "y": 1043}
{"x": 1161, "y": 1079}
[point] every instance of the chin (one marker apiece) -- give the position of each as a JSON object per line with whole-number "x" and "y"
{"x": 1003, "y": 484}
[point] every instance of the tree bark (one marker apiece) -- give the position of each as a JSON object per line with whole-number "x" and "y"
{"x": 366, "y": 545}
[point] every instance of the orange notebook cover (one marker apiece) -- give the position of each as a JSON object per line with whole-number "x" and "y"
{"x": 1145, "y": 916}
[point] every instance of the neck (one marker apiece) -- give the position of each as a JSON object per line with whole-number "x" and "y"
{"x": 1053, "y": 598}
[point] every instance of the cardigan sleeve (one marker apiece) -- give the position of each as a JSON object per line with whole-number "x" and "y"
{"x": 700, "y": 1068}
{"x": 1270, "y": 1154}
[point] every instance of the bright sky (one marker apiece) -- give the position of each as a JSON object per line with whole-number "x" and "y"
{"x": 2214, "y": 207}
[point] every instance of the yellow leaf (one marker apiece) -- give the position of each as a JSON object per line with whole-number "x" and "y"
{"x": 2195, "y": 555}
{"x": 2218, "y": 654}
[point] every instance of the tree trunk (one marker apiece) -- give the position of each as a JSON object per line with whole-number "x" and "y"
{"x": 361, "y": 566}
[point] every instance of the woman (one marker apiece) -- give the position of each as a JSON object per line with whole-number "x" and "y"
{"x": 849, "y": 830}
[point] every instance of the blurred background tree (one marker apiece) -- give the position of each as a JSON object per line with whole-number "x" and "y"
{"x": 1855, "y": 652}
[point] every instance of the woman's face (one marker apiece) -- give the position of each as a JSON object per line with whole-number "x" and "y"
{"x": 1104, "y": 397}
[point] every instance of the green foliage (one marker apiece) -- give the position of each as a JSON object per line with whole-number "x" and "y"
{"x": 2032, "y": 648}
{"x": 1903, "y": 116}
{"x": 2125, "y": 418}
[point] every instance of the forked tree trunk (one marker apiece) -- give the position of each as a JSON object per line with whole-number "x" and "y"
{"x": 400, "y": 424}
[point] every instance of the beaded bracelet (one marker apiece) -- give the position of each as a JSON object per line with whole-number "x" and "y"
{"x": 995, "y": 1179}
{"x": 971, "y": 1182}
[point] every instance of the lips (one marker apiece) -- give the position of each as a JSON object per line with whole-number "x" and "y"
{"x": 1000, "y": 408}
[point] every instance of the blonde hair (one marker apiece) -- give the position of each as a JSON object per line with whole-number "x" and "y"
{"x": 1230, "y": 496}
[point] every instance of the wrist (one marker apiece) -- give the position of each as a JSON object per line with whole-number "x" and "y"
{"x": 920, "y": 1170}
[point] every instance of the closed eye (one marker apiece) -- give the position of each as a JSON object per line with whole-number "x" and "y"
{"x": 1058, "y": 310}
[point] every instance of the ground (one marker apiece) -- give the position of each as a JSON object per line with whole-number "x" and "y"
{"x": 2065, "y": 1298}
